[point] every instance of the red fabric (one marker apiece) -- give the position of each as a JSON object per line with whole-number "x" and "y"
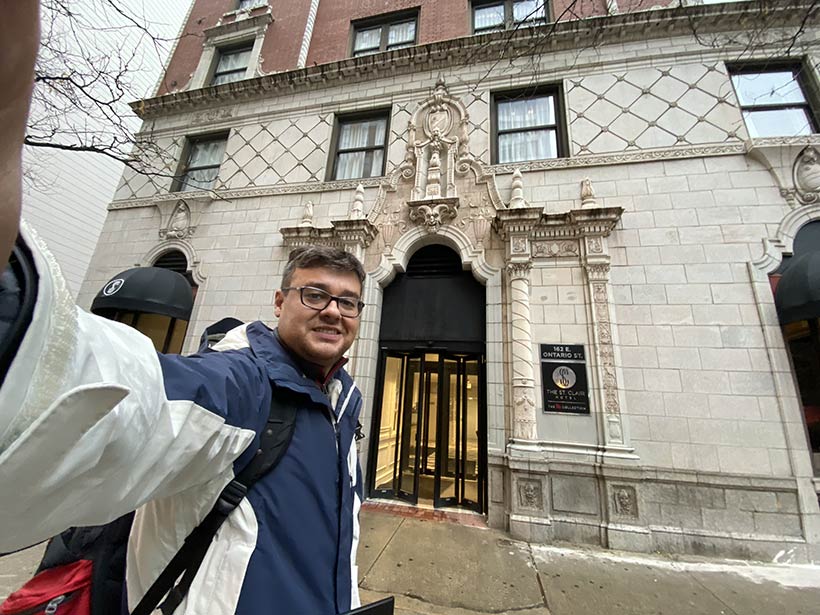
{"x": 44, "y": 587}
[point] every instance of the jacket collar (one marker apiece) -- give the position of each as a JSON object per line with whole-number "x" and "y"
{"x": 287, "y": 370}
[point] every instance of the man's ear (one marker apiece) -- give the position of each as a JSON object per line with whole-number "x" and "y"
{"x": 278, "y": 299}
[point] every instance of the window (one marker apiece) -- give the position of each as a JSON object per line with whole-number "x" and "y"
{"x": 232, "y": 65}
{"x": 250, "y": 4}
{"x": 527, "y": 126}
{"x": 202, "y": 166}
{"x": 773, "y": 101}
{"x": 360, "y": 145}
{"x": 508, "y": 14}
{"x": 394, "y": 32}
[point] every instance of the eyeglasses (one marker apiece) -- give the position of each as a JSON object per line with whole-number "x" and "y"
{"x": 318, "y": 299}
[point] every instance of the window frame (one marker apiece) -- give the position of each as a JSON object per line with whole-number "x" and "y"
{"x": 800, "y": 75}
{"x": 228, "y": 49}
{"x": 557, "y": 92}
{"x": 384, "y": 22}
{"x": 252, "y": 4}
{"x": 509, "y": 20}
{"x": 184, "y": 168}
{"x": 343, "y": 118}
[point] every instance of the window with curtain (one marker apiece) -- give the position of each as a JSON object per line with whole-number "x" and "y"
{"x": 527, "y": 126}
{"x": 383, "y": 34}
{"x": 360, "y": 146}
{"x": 202, "y": 165}
{"x": 231, "y": 65}
{"x": 249, "y": 4}
{"x": 507, "y": 14}
{"x": 773, "y": 101}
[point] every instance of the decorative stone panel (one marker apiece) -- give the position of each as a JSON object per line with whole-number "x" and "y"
{"x": 624, "y": 501}
{"x": 530, "y": 494}
{"x": 685, "y": 104}
{"x": 277, "y": 152}
{"x": 162, "y": 158}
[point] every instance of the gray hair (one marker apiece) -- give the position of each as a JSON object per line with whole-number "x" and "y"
{"x": 314, "y": 257}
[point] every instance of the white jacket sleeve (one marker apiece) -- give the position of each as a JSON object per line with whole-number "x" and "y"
{"x": 87, "y": 432}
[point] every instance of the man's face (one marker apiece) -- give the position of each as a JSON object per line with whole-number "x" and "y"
{"x": 321, "y": 337}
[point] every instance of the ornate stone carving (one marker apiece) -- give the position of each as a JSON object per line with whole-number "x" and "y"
{"x": 587, "y": 194}
{"x": 625, "y": 501}
{"x": 806, "y": 175}
{"x": 554, "y": 249}
{"x": 530, "y": 494}
{"x": 519, "y": 245}
{"x": 517, "y": 200}
{"x": 519, "y": 270}
{"x": 432, "y": 214}
{"x": 179, "y": 224}
{"x": 598, "y": 272}
{"x": 307, "y": 214}
{"x": 595, "y": 245}
{"x": 357, "y": 206}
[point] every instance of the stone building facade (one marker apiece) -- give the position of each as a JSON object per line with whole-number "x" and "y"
{"x": 630, "y": 383}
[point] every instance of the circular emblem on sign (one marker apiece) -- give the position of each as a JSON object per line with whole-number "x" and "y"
{"x": 563, "y": 377}
{"x": 113, "y": 286}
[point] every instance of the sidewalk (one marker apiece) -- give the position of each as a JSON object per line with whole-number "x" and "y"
{"x": 443, "y": 567}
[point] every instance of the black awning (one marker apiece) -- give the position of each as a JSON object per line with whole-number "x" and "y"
{"x": 152, "y": 290}
{"x": 798, "y": 292}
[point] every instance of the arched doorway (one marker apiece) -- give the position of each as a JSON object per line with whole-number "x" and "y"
{"x": 152, "y": 300}
{"x": 429, "y": 422}
{"x": 796, "y": 285}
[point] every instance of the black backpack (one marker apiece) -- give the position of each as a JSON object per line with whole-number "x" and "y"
{"x": 105, "y": 546}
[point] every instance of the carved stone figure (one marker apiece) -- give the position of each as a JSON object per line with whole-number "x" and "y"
{"x": 624, "y": 500}
{"x": 307, "y": 214}
{"x": 806, "y": 172}
{"x": 529, "y": 494}
{"x": 587, "y": 193}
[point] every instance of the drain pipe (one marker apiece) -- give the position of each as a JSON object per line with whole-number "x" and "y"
{"x": 311, "y": 20}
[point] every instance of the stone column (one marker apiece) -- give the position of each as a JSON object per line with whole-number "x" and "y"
{"x": 523, "y": 375}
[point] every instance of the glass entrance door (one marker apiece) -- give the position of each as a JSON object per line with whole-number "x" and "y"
{"x": 430, "y": 442}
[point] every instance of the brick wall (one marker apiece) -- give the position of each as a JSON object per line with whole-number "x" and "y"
{"x": 331, "y": 38}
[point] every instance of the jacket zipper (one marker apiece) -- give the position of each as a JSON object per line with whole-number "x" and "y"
{"x": 51, "y": 608}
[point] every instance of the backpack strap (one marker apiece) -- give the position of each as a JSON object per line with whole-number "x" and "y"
{"x": 273, "y": 444}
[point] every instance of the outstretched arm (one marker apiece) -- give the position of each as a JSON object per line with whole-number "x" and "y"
{"x": 19, "y": 39}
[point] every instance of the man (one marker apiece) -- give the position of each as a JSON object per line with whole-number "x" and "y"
{"x": 94, "y": 424}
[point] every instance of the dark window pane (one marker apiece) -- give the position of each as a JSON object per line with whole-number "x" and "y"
{"x": 778, "y": 123}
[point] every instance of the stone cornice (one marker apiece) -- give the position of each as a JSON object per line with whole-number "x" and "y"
{"x": 642, "y": 25}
